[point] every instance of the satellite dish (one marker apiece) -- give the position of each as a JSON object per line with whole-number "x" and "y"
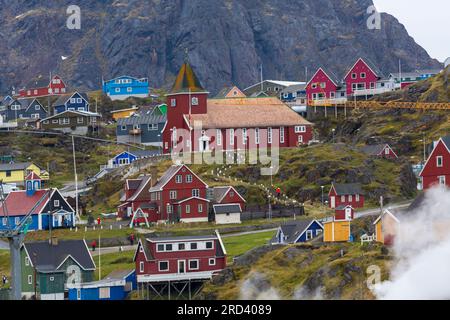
{"x": 447, "y": 62}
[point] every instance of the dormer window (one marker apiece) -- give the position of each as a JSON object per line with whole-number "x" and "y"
{"x": 194, "y": 101}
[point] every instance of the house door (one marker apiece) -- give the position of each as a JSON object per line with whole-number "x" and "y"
{"x": 348, "y": 214}
{"x": 333, "y": 202}
{"x": 203, "y": 144}
{"x": 181, "y": 266}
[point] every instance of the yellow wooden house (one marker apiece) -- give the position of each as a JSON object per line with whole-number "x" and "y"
{"x": 386, "y": 227}
{"x": 123, "y": 113}
{"x": 16, "y": 172}
{"x": 336, "y": 231}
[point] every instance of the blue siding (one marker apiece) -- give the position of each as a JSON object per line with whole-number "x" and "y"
{"x": 116, "y": 293}
{"x": 135, "y": 87}
{"x": 314, "y": 227}
{"x": 124, "y": 155}
{"x": 76, "y": 105}
{"x": 33, "y": 226}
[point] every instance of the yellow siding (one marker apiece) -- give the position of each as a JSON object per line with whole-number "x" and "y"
{"x": 122, "y": 114}
{"x": 379, "y": 232}
{"x": 336, "y": 231}
{"x": 18, "y": 176}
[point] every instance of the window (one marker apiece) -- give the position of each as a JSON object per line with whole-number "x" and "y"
{"x": 188, "y": 178}
{"x": 314, "y": 86}
{"x": 318, "y": 231}
{"x": 163, "y": 265}
{"x": 342, "y": 198}
{"x": 231, "y": 194}
{"x": 332, "y": 95}
{"x": 181, "y": 246}
{"x": 200, "y": 207}
{"x": 209, "y": 245}
{"x": 153, "y": 126}
{"x": 357, "y": 197}
{"x": 104, "y": 293}
{"x": 309, "y": 235}
{"x": 363, "y": 75}
{"x": 123, "y": 128}
{"x": 52, "y": 278}
{"x": 160, "y": 248}
{"x": 323, "y": 85}
{"x": 173, "y": 195}
{"x": 195, "y": 192}
{"x": 8, "y": 173}
{"x": 55, "y": 121}
{"x": 219, "y": 137}
{"x": 257, "y": 135}
{"x": 194, "y": 101}
{"x": 281, "y": 134}
{"x": 169, "y": 208}
{"x": 173, "y": 102}
{"x": 178, "y": 178}
{"x": 168, "y": 247}
{"x": 354, "y": 75}
{"x": 80, "y": 119}
{"x": 64, "y": 121}
{"x": 188, "y": 209}
{"x": 129, "y": 89}
{"x": 35, "y": 92}
{"x": 56, "y": 203}
{"x": 17, "y": 221}
{"x": 231, "y": 137}
{"x": 439, "y": 161}
{"x": 141, "y": 248}
{"x": 37, "y": 107}
{"x": 193, "y": 245}
{"x": 117, "y": 90}
{"x": 211, "y": 261}
{"x": 372, "y": 85}
{"x": 269, "y": 135}
{"x": 244, "y": 135}
{"x": 193, "y": 264}
{"x": 78, "y": 294}
{"x": 441, "y": 180}
{"x": 350, "y": 198}
{"x": 79, "y": 100}
{"x": 27, "y": 261}
{"x": 300, "y": 139}
{"x": 5, "y": 221}
{"x": 300, "y": 129}
{"x": 30, "y": 279}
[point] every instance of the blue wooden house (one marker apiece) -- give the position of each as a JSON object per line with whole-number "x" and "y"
{"x": 128, "y": 157}
{"x": 123, "y": 87}
{"x": 297, "y": 231}
{"x": 71, "y": 102}
{"x": 116, "y": 286}
{"x": 15, "y": 109}
{"x": 35, "y": 110}
{"x": 47, "y": 207}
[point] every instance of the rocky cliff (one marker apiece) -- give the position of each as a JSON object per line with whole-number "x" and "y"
{"x": 227, "y": 40}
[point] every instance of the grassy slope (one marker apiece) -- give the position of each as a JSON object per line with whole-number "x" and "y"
{"x": 238, "y": 245}
{"x": 114, "y": 261}
{"x": 289, "y": 268}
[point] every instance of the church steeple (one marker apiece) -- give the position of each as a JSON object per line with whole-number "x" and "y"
{"x": 186, "y": 80}
{"x": 32, "y": 183}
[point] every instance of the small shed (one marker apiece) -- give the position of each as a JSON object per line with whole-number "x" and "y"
{"x": 336, "y": 231}
{"x": 344, "y": 212}
{"x": 227, "y": 213}
{"x": 380, "y": 150}
{"x": 386, "y": 227}
{"x": 116, "y": 286}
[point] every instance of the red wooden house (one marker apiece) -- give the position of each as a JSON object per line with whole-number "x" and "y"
{"x": 321, "y": 86}
{"x": 228, "y": 195}
{"x": 44, "y": 87}
{"x": 380, "y": 150}
{"x": 344, "y": 212}
{"x": 179, "y": 258}
{"x": 436, "y": 170}
{"x": 346, "y": 194}
{"x": 196, "y": 123}
{"x": 362, "y": 75}
{"x": 135, "y": 196}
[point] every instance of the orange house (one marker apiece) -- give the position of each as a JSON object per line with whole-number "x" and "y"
{"x": 336, "y": 231}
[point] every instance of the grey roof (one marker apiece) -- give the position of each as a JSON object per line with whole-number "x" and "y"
{"x": 226, "y": 208}
{"x": 374, "y": 67}
{"x": 142, "y": 192}
{"x": 446, "y": 140}
{"x": 342, "y": 207}
{"x": 294, "y": 88}
{"x": 166, "y": 177}
{"x": 219, "y": 193}
{"x": 145, "y": 153}
{"x": 63, "y": 99}
{"x": 141, "y": 119}
{"x": 26, "y": 102}
{"x": 133, "y": 184}
{"x": 222, "y": 93}
{"x": 40, "y": 82}
{"x": 374, "y": 149}
{"x": 347, "y": 188}
{"x": 46, "y": 257}
{"x": 118, "y": 274}
{"x": 429, "y": 71}
{"x": 14, "y": 166}
{"x": 406, "y": 75}
{"x": 293, "y": 229}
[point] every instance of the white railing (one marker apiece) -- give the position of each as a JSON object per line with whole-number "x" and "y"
{"x": 371, "y": 92}
{"x": 325, "y": 102}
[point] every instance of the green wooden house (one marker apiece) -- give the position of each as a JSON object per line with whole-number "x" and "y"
{"x": 50, "y": 268}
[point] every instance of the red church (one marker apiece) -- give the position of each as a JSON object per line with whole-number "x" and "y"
{"x": 361, "y": 76}
{"x": 347, "y": 194}
{"x": 437, "y": 168}
{"x": 43, "y": 87}
{"x": 179, "y": 258}
{"x": 196, "y": 123}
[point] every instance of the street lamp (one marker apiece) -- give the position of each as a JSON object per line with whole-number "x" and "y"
{"x": 321, "y": 187}
{"x": 424, "y": 148}
{"x": 333, "y": 130}
{"x": 160, "y": 143}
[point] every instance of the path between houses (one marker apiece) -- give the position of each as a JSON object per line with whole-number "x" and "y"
{"x": 376, "y": 211}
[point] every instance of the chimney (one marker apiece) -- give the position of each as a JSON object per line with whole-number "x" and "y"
{"x": 54, "y": 241}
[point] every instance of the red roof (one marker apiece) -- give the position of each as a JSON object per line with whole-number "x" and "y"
{"x": 18, "y": 203}
{"x": 32, "y": 176}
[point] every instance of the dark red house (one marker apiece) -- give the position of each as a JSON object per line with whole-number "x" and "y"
{"x": 321, "y": 86}
{"x": 196, "y": 123}
{"x": 228, "y": 195}
{"x": 346, "y": 194}
{"x": 344, "y": 212}
{"x": 362, "y": 75}
{"x": 136, "y": 195}
{"x": 380, "y": 150}
{"x": 179, "y": 258}
{"x": 43, "y": 87}
{"x": 437, "y": 168}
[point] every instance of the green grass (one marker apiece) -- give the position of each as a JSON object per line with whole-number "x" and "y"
{"x": 114, "y": 261}
{"x": 4, "y": 263}
{"x": 81, "y": 234}
{"x": 238, "y": 245}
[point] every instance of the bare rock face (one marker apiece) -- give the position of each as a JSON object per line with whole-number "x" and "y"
{"x": 227, "y": 41}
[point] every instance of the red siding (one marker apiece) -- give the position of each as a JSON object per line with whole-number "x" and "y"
{"x": 194, "y": 210}
{"x": 340, "y": 214}
{"x": 57, "y": 89}
{"x": 232, "y": 197}
{"x": 318, "y": 78}
{"x": 431, "y": 171}
{"x": 338, "y": 200}
{"x": 359, "y": 68}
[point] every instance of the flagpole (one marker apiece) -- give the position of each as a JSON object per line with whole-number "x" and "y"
{"x": 99, "y": 258}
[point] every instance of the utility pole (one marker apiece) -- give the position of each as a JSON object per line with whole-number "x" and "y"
{"x": 99, "y": 258}
{"x": 76, "y": 178}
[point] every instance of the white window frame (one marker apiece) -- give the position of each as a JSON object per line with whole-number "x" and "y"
{"x": 218, "y": 137}
{"x": 211, "y": 261}
{"x": 173, "y": 195}
{"x": 362, "y": 75}
{"x": 104, "y": 293}
{"x": 187, "y": 209}
{"x": 78, "y": 294}
{"x": 300, "y": 129}
{"x": 27, "y": 261}
{"x": 30, "y": 279}
{"x": 5, "y": 221}
{"x": 200, "y": 208}
{"x": 244, "y": 136}
{"x": 173, "y": 102}
{"x": 117, "y": 90}
{"x": 342, "y": 198}
{"x": 350, "y": 198}
{"x": 441, "y": 180}
{"x": 17, "y": 221}
{"x": 357, "y": 197}
{"x": 439, "y": 161}
{"x": 281, "y": 134}
{"x": 269, "y": 135}
{"x": 194, "y": 260}
{"x": 194, "y": 101}
{"x": 179, "y": 178}
{"x": 189, "y": 178}
{"x": 129, "y": 89}
{"x": 231, "y": 137}
{"x": 56, "y": 203}
{"x": 309, "y": 235}
{"x": 354, "y": 76}
{"x": 159, "y": 265}
{"x": 256, "y": 135}
{"x": 196, "y": 192}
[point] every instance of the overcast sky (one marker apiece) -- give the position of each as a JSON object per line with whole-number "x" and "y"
{"x": 427, "y": 21}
